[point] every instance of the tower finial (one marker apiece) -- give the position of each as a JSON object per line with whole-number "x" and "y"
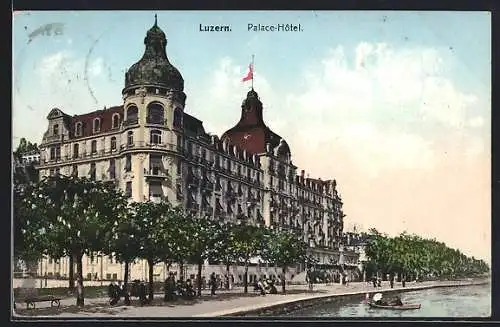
{"x": 156, "y": 20}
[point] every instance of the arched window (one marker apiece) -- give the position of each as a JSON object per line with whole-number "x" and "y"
{"x": 178, "y": 118}
{"x": 155, "y": 137}
{"x": 78, "y": 129}
{"x": 130, "y": 138}
{"x": 113, "y": 143}
{"x": 55, "y": 130}
{"x": 93, "y": 146}
{"x": 116, "y": 121}
{"x": 97, "y": 125}
{"x": 155, "y": 113}
{"x": 132, "y": 115}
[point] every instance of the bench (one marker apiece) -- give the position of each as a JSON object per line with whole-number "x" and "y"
{"x": 30, "y": 301}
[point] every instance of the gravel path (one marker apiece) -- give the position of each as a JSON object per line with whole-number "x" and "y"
{"x": 224, "y": 303}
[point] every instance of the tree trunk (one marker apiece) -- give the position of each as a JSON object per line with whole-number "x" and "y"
{"x": 283, "y": 282}
{"x": 245, "y": 279}
{"x": 71, "y": 284}
{"x": 150, "y": 279}
{"x": 80, "y": 299}
{"x": 228, "y": 277}
{"x": 181, "y": 269}
{"x": 125, "y": 283}
{"x": 200, "y": 267}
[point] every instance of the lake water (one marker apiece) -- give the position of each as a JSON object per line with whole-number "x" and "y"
{"x": 465, "y": 301}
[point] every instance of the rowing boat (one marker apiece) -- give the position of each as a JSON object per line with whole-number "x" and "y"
{"x": 395, "y": 307}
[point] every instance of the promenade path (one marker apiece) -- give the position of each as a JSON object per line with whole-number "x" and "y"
{"x": 224, "y": 303}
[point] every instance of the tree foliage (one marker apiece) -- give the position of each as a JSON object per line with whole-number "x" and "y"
{"x": 284, "y": 249}
{"x": 416, "y": 256}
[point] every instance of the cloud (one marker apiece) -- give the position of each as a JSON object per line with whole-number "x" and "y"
{"x": 61, "y": 82}
{"x": 476, "y": 122}
{"x": 390, "y": 124}
{"x": 386, "y": 106}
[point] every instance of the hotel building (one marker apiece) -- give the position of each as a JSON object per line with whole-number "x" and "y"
{"x": 154, "y": 150}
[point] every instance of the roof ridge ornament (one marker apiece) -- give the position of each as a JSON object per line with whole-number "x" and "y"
{"x": 156, "y": 21}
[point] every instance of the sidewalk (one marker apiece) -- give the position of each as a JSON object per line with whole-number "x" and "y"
{"x": 224, "y": 303}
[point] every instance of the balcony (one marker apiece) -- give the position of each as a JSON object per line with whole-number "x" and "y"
{"x": 53, "y": 139}
{"x": 131, "y": 122}
{"x": 156, "y": 198}
{"x": 152, "y": 120}
{"x": 156, "y": 173}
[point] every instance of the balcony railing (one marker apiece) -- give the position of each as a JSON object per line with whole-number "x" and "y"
{"x": 130, "y": 122}
{"x": 154, "y": 120}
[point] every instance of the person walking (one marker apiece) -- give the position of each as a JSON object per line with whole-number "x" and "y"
{"x": 213, "y": 284}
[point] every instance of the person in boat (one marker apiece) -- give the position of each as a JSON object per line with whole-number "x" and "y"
{"x": 397, "y": 301}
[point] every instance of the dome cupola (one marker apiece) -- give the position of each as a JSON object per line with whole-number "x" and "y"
{"x": 154, "y": 68}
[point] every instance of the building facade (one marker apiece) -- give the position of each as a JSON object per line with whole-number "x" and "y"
{"x": 154, "y": 150}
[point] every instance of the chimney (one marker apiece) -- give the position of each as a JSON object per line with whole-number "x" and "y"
{"x": 302, "y": 172}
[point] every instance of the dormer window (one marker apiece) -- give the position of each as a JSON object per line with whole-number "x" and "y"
{"x": 97, "y": 125}
{"x": 55, "y": 130}
{"x": 78, "y": 129}
{"x": 116, "y": 121}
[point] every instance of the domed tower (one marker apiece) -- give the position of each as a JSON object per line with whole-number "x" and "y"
{"x": 153, "y": 105}
{"x": 251, "y": 133}
{"x": 153, "y": 83}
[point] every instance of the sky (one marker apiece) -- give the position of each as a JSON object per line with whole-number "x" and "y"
{"x": 396, "y": 106}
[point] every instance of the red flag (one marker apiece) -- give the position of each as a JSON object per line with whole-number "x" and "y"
{"x": 249, "y": 75}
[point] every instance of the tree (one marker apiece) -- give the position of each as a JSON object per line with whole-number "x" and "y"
{"x": 224, "y": 248}
{"x": 204, "y": 236}
{"x": 415, "y": 256}
{"x": 24, "y": 147}
{"x": 248, "y": 243}
{"x": 29, "y": 227}
{"x": 155, "y": 229}
{"x": 78, "y": 213}
{"x": 284, "y": 249}
{"x": 123, "y": 241}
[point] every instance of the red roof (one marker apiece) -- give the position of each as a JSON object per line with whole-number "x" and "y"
{"x": 251, "y": 133}
{"x": 106, "y": 116}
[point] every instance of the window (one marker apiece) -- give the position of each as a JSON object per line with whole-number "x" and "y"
{"x": 108, "y": 276}
{"x": 75, "y": 170}
{"x": 112, "y": 169}
{"x": 110, "y": 259}
{"x": 58, "y": 171}
{"x": 93, "y": 147}
{"x": 115, "y": 276}
{"x": 76, "y": 150}
{"x": 130, "y": 138}
{"x": 78, "y": 129}
{"x": 178, "y": 118}
{"x": 132, "y": 115}
{"x": 113, "y": 143}
{"x": 155, "y": 137}
{"x": 92, "y": 171}
{"x": 128, "y": 189}
{"x": 97, "y": 125}
{"x": 116, "y": 121}
{"x": 55, "y": 153}
{"x": 55, "y": 130}
{"x": 155, "y": 113}
{"x": 128, "y": 162}
{"x": 51, "y": 172}
{"x": 52, "y": 153}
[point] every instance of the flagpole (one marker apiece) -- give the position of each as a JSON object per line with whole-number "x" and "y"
{"x": 253, "y": 69}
